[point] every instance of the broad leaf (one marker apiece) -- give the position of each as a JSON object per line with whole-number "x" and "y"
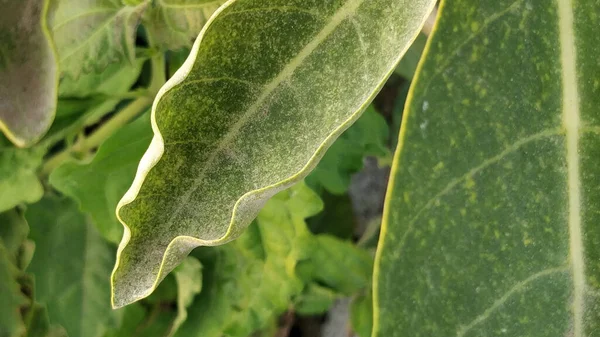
{"x": 173, "y": 24}
{"x": 113, "y": 168}
{"x": 18, "y": 178}
{"x": 92, "y": 34}
{"x": 491, "y": 225}
{"x": 28, "y": 71}
{"x": 70, "y": 266}
{"x": 233, "y": 126}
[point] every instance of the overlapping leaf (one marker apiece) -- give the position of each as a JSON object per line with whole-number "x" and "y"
{"x": 266, "y": 89}
{"x": 28, "y": 71}
{"x": 491, "y": 225}
{"x": 92, "y": 34}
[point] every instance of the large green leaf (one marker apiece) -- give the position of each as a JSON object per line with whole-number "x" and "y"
{"x": 113, "y": 169}
{"x": 491, "y": 225}
{"x": 71, "y": 267}
{"x": 233, "y": 126}
{"x": 173, "y": 24}
{"x": 92, "y": 34}
{"x": 28, "y": 71}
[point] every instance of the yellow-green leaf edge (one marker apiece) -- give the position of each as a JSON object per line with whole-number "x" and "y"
{"x": 156, "y": 150}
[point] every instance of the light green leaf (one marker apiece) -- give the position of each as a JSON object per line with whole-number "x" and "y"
{"x": 361, "y": 315}
{"x": 115, "y": 80}
{"x": 12, "y": 300}
{"x": 18, "y": 178}
{"x": 173, "y": 24}
{"x": 28, "y": 71}
{"x": 491, "y": 224}
{"x": 70, "y": 266}
{"x": 189, "y": 283}
{"x": 233, "y": 127}
{"x": 92, "y": 34}
{"x": 113, "y": 168}
{"x": 367, "y": 137}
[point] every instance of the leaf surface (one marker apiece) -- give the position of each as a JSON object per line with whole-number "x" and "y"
{"x": 28, "y": 71}
{"x": 490, "y": 227}
{"x": 70, "y": 266}
{"x": 12, "y": 300}
{"x": 233, "y": 127}
{"x": 174, "y": 24}
{"x": 92, "y": 34}
{"x": 113, "y": 168}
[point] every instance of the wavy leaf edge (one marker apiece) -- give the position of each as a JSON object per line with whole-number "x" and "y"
{"x": 156, "y": 149}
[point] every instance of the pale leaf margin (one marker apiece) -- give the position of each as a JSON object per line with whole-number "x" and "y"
{"x": 253, "y": 198}
{"x": 391, "y": 181}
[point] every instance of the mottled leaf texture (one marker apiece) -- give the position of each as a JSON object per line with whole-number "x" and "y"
{"x": 264, "y": 92}
{"x": 113, "y": 169}
{"x": 70, "y": 265}
{"x": 28, "y": 71}
{"x": 92, "y": 34}
{"x": 176, "y": 23}
{"x": 491, "y": 224}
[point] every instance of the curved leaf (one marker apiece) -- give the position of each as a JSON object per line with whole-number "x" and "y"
{"x": 491, "y": 223}
{"x": 173, "y": 24}
{"x": 92, "y": 34}
{"x": 28, "y": 72}
{"x": 265, "y": 91}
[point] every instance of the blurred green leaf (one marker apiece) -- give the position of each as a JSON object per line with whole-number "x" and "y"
{"x": 408, "y": 65}
{"x": 70, "y": 267}
{"x": 19, "y": 182}
{"x": 11, "y": 298}
{"x": 113, "y": 168}
{"x": 367, "y": 137}
{"x": 91, "y": 35}
{"x": 173, "y": 24}
{"x": 28, "y": 71}
{"x": 189, "y": 283}
{"x": 361, "y": 314}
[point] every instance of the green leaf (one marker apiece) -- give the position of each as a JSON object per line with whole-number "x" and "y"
{"x": 367, "y": 137}
{"x": 174, "y": 24}
{"x": 18, "y": 178}
{"x": 12, "y": 300}
{"x": 315, "y": 300}
{"x": 115, "y": 80}
{"x": 113, "y": 168}
{"x": 91, "y": 35}
{"x": 13, "y": 232}
{"x": 70, "y": 266}
{"x": 232, "y": 127}
{"x": 28, "y": 71}
{"x": 491, "y": 223}
{"x": 189, "y": 283}
{"x": 408, "y": 65}
{"x": 361, "y": 315}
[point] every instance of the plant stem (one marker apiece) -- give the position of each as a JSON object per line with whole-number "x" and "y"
{"x": 100, "y": 135}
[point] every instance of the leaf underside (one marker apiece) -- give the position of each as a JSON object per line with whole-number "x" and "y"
{"x": 233, "y": 126}
{"x": 28, "y": 70}
{"x": 491, "y": 220}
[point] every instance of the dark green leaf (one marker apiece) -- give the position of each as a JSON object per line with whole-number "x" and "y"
{"x": 233, "y": 127}
{"x": 11, "y": 299}
{"x": 28, "y": 71}
{"x": 491, "y": 222}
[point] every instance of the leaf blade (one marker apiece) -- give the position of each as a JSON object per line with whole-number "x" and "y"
{"x": 262, "y": 98}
